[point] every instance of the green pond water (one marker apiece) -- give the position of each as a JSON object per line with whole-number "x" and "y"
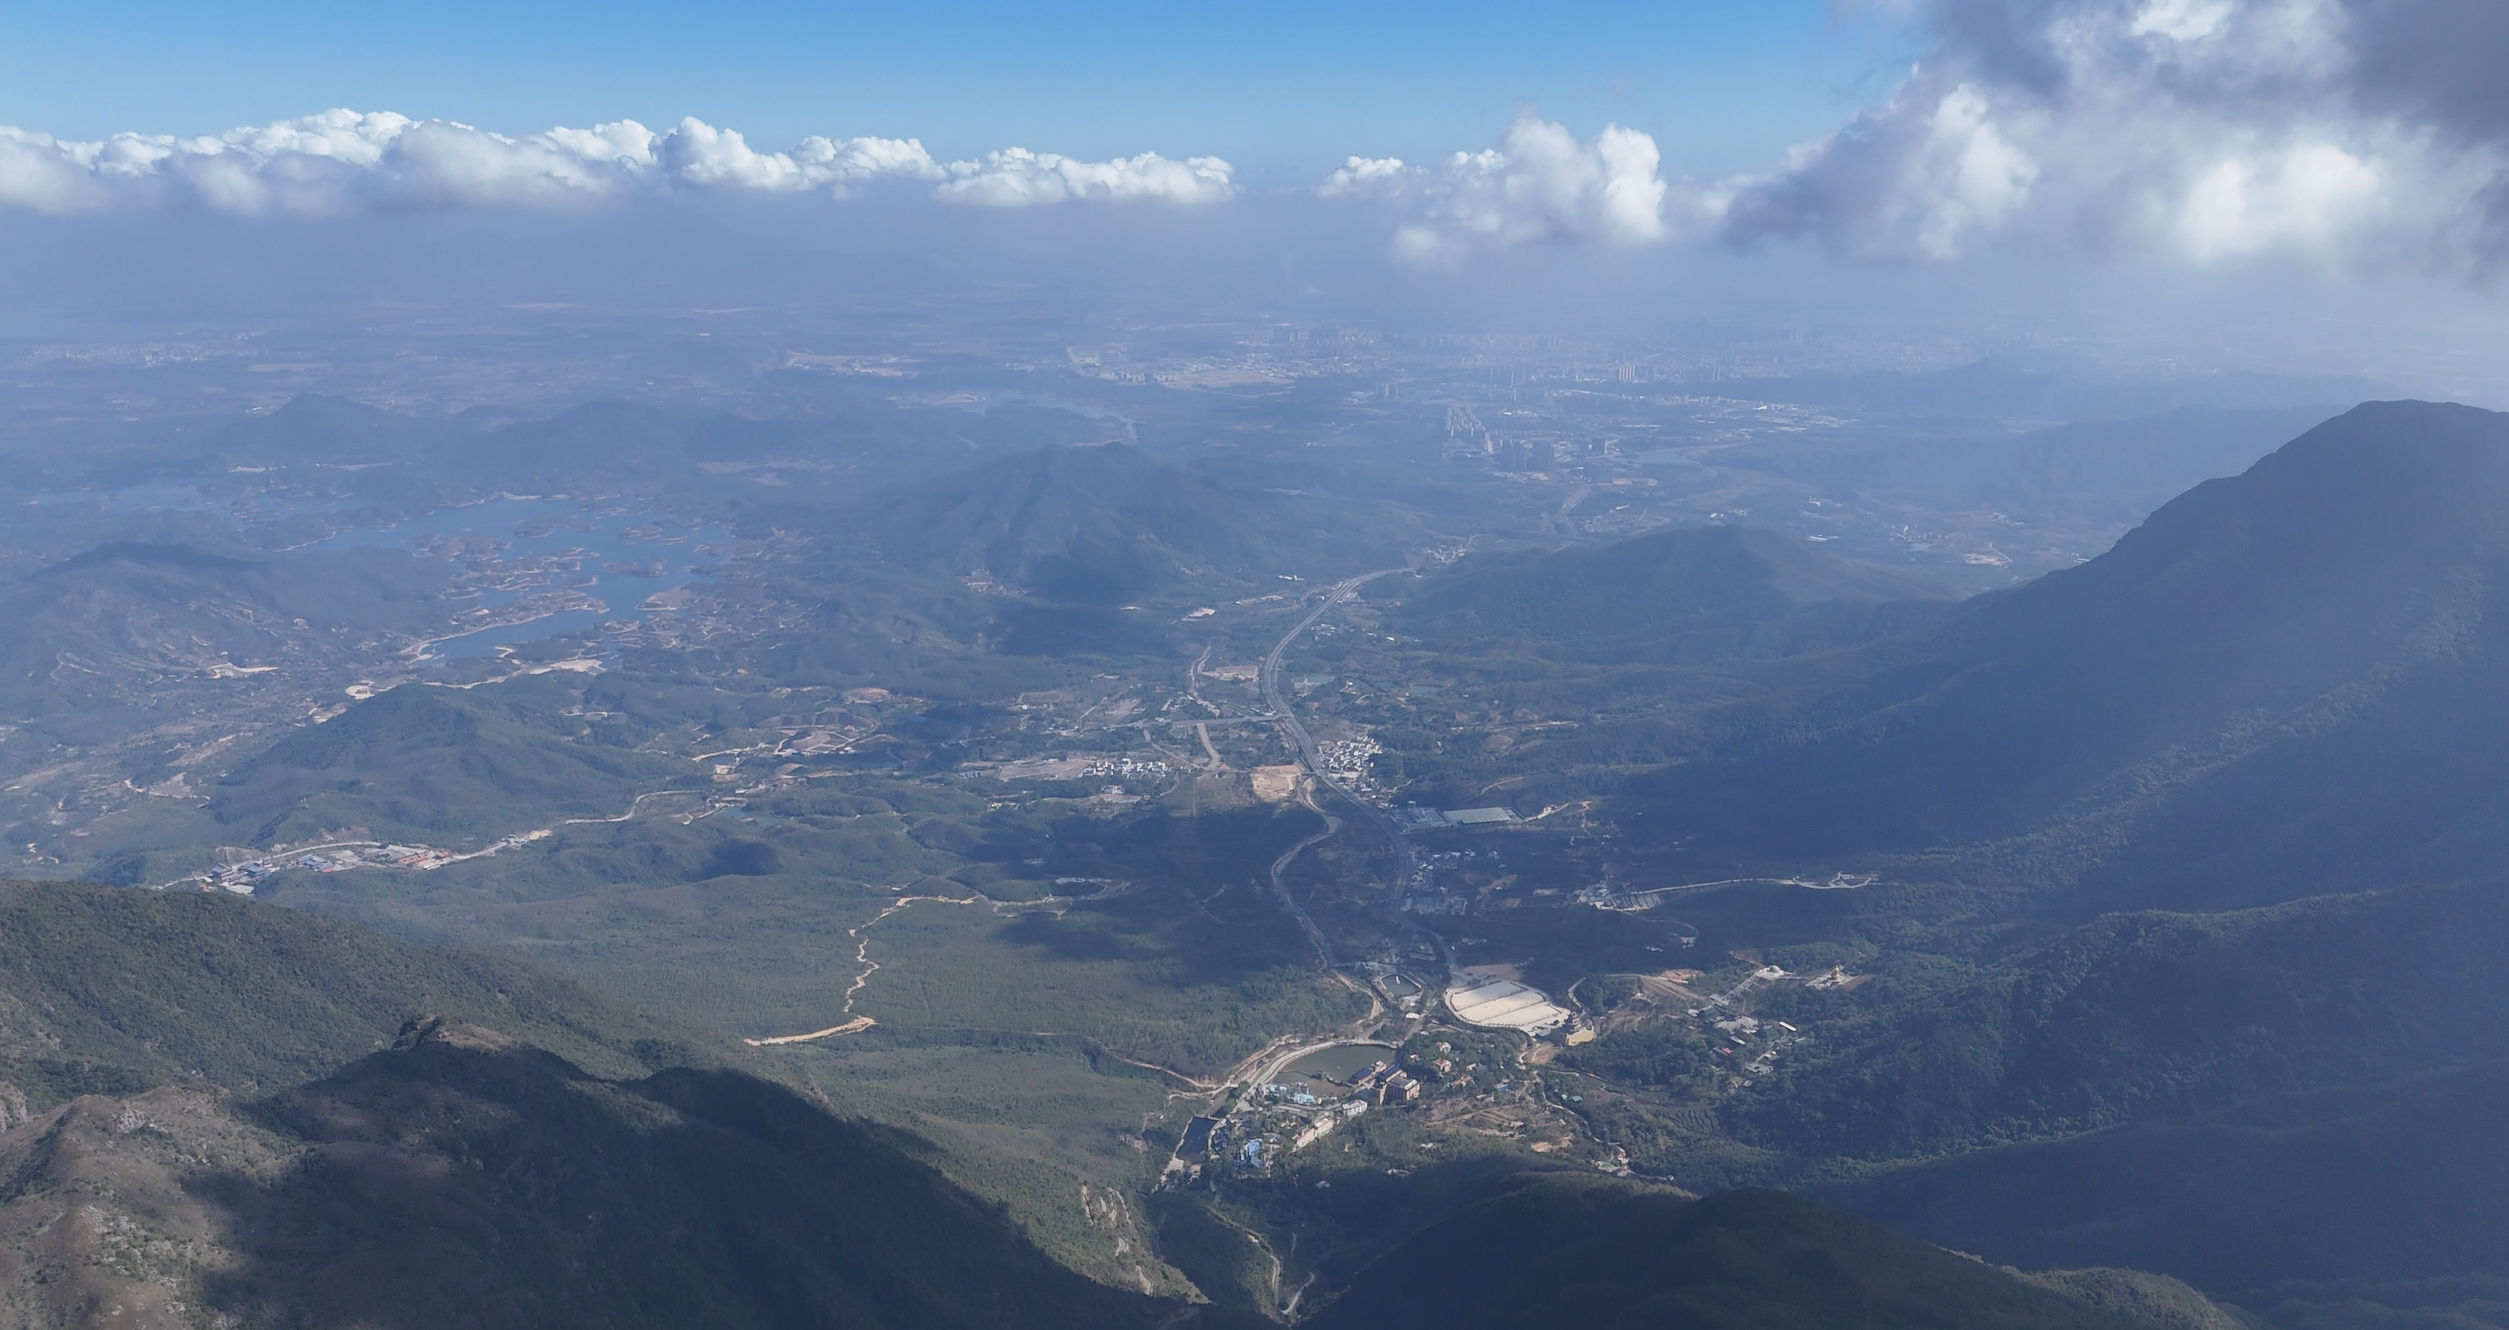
{"x": 1337, "y": 1064}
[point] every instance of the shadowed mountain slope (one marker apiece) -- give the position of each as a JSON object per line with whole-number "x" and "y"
{"x": 464, "y": 1180}
{"x": 1557, "y": 1250}
{"x": 2136, "y": 1017}
{"x": 2358, "y": 1207}
{"x": 1705, "y": 592}
{"x": 178, "y": 1089}
{"x": 2282, "y": 681}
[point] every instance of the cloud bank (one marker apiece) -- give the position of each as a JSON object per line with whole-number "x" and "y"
{"x": 2370, "y": 133}
{"x": 344, "y": 162}
{"x": 2369, "y": 136}
{"x": 1540, "y": 183}
{"x": 1016, "y": 178}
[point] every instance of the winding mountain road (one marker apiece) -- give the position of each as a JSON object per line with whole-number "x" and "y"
{"x": 1313, "y": 760}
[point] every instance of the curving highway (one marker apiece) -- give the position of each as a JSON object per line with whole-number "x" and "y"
{"x": 1313, "y": 761}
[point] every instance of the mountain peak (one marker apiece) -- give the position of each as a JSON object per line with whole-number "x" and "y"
{"x": 419, "y": 1031}
{"x": 2281, "y": 680}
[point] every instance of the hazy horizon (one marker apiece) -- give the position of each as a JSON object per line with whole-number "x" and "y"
{"x": 1123, "y": 667}
{"x": 2182, "y": 186}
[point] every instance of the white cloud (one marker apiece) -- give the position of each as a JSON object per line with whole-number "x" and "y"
{"x": 1017, "y": 178}
{"x": 2300, "y": 198}
{"x": 1632, "y": 203}
{"x": 1429, "y": 247}
{"x": 437, "y": 163}
{"x": 2367, "y": 133}
{"x": 338, "y": 161}
{"x": 697, "y": 154}
{"x": 344, "y": 161}
{"x": 1367, "y": 177}
{"x": 1540, "y": 183}
{"x": 1964, "y": 176}
{"x": 619, "y": 143}
{"x": 37, "y": 175}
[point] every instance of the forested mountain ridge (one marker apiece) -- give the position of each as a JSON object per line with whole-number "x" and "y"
{"x": 1094, "y": 525}
{"x": 287, "y": 1119}
{"x": 2191, "y": 901}
{"x": 2158, "y": 1015}
{"x": 258, "y": 1138}
{"x": 1693, "y": 592}
{"x": 420, "y": 763}
{"x": 2333, "y": 1208}
{"x": 463, "y": 1179}
{"x": 110, "y": 991}
{"x": 1561, "y": 1250}
{"x": 966, "y": 819}
{"x": 2190, "y": 718}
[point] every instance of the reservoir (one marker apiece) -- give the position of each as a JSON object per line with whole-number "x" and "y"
{"x": 626, "y": 556}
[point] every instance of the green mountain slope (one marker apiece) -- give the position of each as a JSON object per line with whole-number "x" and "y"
{"x": 91, "y": 635}
{"x": 2156, "y": 1015}
{"x": 1703, "y": 592}
{"x": 1556, "y": 1250}
{"x": 199, "y": 1078}
{"x": 2374, "y": 1206}
{"x": 437, "y": 764}
{"x": 104, "y": 990}
{"x": 2281, "y": 682}
{"x": 462, "y": 1179}
{"x": 1097, "y": 525}
{"x": 2288, "y": 1104}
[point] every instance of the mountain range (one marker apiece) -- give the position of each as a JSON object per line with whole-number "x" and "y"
{"x": 2205, "y": 837}
{"x": 2281, "y": 682}
{"x": 220, "y": 1109}
{"x": 246, "y": 1134}
{"x": 2182, "y": 933}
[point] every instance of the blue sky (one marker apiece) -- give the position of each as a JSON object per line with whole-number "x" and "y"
{"x": 2336, "y": 148}
{"x": 1722, "y": 85}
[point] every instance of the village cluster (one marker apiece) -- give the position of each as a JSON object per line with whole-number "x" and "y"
{"x": 340, "y": 857}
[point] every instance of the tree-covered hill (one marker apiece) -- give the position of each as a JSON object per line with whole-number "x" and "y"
{"x": 2281, "y": 682}
{"x": 286, "y": 1119}
{"x": 1563, "y": 1250}
{"x": 438, "y": 764}
{"x": 1689, "y": 593}
{"x": 462, "y": 1179}
{"x": 2152, "y": 1015}
{"x": 1096, "y": 525}
{"x": 2337, "y": 1209}
{"x": 112, "y": 991}
{"x": 90, "y": 635}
